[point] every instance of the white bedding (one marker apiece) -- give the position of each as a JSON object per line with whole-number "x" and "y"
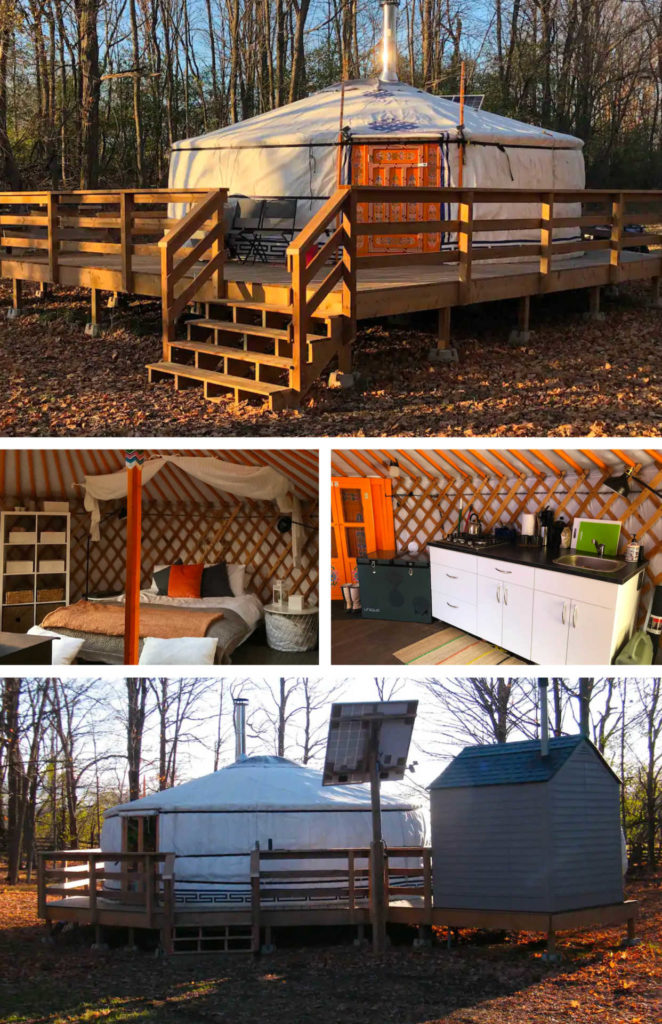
{"x": 248, "y": 606}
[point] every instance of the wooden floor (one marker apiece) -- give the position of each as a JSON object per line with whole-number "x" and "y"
{"x": 357, "y": 641}
{"x": 380, "y": 292}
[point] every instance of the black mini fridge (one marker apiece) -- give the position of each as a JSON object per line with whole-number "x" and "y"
{"x": 395, "y": 585}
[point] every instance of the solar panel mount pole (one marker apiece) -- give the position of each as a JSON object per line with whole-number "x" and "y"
{"x": 378, "y": 909}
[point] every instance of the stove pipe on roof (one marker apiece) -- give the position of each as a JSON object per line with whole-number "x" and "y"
{"x": 544, "y": 718}
{"x": 239, "y": 720}
{"x": 389, "y": 43}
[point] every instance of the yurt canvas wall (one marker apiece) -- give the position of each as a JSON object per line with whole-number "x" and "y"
{"x": 503, "y": 484}
{"x": 181, "y": 516}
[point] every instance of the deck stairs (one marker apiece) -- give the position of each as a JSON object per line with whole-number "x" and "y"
{"x": 218, "y": 938}
{"x": 245, "y": 348}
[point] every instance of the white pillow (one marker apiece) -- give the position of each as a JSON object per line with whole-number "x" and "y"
{"x": 237, "y": 579}
{"x": 65, "y": 648}
{"x": 179, "y": 650}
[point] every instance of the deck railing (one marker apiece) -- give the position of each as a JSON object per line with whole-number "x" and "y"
{"x": 196, "y": 240}
{"x": 139, "y": 881}
{"x": 111, "y": 222}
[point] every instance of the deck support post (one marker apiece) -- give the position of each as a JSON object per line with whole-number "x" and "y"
{"x": 594, "y": 304}
{"x": 14, "y": 310}
{"x": 522, "y": 334}
{"x": 656, "y": 292}
{"x": 550, "y": 956}
{"x": 360, "y": 935}
{"x": 444, "y": 352}
{"x": 93, "y": 327}
{"x": 267, "y": 946}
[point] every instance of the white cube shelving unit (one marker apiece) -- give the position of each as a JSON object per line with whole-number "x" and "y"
{"x": 34, "y": 559}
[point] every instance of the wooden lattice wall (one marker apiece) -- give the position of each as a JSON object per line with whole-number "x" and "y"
{"x": 427, "y": 509}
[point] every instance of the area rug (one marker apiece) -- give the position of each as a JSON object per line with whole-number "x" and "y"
{"x": 451, "y": 646}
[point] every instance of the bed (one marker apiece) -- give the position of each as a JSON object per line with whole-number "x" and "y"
{"x": 241, "y": 615}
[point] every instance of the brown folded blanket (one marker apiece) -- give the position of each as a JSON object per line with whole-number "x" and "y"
{"x": 166, "y": 623}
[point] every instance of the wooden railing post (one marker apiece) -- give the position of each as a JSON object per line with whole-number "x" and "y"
{"x": 255, "y": 900}
{"x": 167, "y": 296}
{"x": 427, "y": 879}
{"x": 149, "y": 889}
{"x": 126, "y": 229}
{"x": 546, "y": 238}
{"x": 218, "y": 248}
{"x": 465, "y": 242}
{"x": 617, "y": 205}
{"x": 349, "y": 221}
{"x": 92, "y": 887}
{"x": 168, "y": 878}
{"x": 299, "y": 317}
{"x": 41, "y": 885}
{"x": 351, "y": 880}
{"x": 53, "y": 237}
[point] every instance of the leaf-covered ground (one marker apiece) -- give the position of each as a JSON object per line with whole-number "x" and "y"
{"x": 573, "y": 378}
{"x": 481, "y": 981}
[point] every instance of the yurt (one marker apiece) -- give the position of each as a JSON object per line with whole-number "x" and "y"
{"x": 391, "y": 133}
{"x": 211, "y": 824}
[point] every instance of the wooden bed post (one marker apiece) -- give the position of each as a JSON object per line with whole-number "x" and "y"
{"x": 134, "y": 461}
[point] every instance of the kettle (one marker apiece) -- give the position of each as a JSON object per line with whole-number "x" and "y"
{"x": 474, "y": 525}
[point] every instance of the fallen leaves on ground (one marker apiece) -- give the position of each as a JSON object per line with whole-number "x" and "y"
{"x": 572, "y": 378}
{"x": 480, "y": 981}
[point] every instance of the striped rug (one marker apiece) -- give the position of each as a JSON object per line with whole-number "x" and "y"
{"x": 451, "y": 646}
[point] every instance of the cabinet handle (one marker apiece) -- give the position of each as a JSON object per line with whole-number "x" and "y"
{"x": 574, "y": 616}
{"x": 506, "y": 572}
{"x": 452, "y": 605}
{"x": 450, "y": 576}
{"x": 505, "y": 595}
{"x": 564, "y": 612}
{"x": 498, "y": 594}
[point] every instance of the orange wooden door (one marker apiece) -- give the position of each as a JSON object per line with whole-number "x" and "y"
{"x": 410, "y": 165}
{"x": 361, "y": 521}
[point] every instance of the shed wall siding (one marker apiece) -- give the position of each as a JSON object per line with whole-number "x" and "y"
{"x": 585, "y": 824}
{"x": 488, "y": 844}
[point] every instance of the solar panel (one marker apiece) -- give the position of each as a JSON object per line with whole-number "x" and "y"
{"x": 348, "y": 746}
{"x": 472, "y": 99}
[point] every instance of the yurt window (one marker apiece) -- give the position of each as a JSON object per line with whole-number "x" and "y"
{"x": 140, "y": 834}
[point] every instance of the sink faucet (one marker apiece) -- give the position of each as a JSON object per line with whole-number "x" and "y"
{"x": 600, "y": 548}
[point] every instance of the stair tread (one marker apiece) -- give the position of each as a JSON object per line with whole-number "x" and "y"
{"x": 228, "y": 325}
{"x": 263, "y": 332}
{"x": 234, "y": 353}
{"x": 266, "y": 307}
{"x": 259, "y": 387}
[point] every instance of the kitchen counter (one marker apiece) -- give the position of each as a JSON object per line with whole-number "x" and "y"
{"x": 538, "y": 558}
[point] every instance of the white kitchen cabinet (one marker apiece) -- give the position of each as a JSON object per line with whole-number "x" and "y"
{"x": 547, "y": 617}
{"x": 504, "y": 615}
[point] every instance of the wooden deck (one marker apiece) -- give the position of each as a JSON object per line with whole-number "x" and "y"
{"x": 73, "y": 888}
{"x": 380, "y": 292}
{"x": 348, "y": 264}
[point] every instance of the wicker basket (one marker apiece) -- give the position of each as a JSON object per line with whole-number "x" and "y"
{"x": 51, "y": 594}
{"x": 291, "y": 632}
{"x": 18, "y": 597}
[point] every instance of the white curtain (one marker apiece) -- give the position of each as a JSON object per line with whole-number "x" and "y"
{"x": 260, "y": 482}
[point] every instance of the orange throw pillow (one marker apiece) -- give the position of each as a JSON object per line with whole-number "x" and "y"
{"x": 185, "y": 580}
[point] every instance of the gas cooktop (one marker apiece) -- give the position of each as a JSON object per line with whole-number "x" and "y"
{"x": 474, "y": 541}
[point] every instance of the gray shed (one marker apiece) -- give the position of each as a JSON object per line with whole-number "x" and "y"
{"x": 513, "y": 830}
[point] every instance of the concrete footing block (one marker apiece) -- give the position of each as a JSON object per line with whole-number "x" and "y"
{"x": 594, "y": 317}
{"x": 551, "y": 958}
{"x": 338, "y": 379}
{"x": 99, "y": 947}
{"x": 13, "y": 313}
{"x": 517, "y": 337}
{"x": 267, "y": 948}
{"x": 93, "y": 330}
{"x": 443, "y": 355}
{"x": 631, "y": 943}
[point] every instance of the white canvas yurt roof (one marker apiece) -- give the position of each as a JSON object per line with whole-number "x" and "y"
{"x": 211, "y": 824}
{"x": 375, "y": 110}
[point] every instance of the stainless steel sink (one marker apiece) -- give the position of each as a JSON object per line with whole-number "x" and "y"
{"x": 590, "y": 562}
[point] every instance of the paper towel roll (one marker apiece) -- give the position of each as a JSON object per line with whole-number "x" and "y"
{"x": 528, "y": 524}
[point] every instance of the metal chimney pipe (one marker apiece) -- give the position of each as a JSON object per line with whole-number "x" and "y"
{"x": 584, "y": 706}
{"x": 389, "y": 43}
{"x": 544, "y": 717}
{"x": 239, "y": 719}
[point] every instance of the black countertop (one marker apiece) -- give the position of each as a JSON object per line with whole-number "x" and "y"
{"x": 538, "y": 558}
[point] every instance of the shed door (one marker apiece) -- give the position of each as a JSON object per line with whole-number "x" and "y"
{"x": 413, "y": 165}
